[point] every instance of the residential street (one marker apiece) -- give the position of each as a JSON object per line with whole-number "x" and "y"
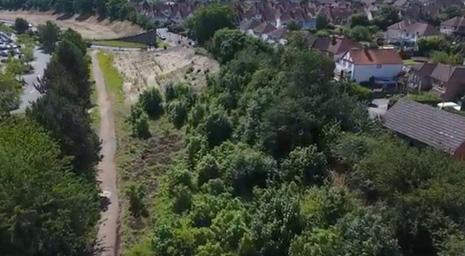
{"x": 108, "y": 232}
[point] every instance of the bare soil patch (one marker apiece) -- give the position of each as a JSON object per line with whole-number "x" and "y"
{"x": 146, "y": 69}
{"x": 89, "y": 27}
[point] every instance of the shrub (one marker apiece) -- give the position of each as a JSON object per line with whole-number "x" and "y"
{"x": 151, "y": 101}
{"x": 218, "y": 128}
{"x": 136, "y": 195}
{"x": 21, "y": 25}
{"x": 138, "y": 120}
{"x": 177, "y": 113}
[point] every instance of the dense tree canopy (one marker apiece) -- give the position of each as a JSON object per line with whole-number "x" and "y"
{"x": 63, "y": 110}
{"x": 49, "y": 34}
{"x": 44, "y": 208}
{"x": 207, "y": 20}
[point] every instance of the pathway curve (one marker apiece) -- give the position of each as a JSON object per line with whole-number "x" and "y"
{"x": 108, "y": 233}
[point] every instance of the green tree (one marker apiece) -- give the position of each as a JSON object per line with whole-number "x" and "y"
{"x": 321, "y": 22}
{"x": 21, "y": 25}
{"x": 10, "y": 90}
{"x": 45, "y": 208}
{"x": 75, "y": 38}
{"x": 138, "y": 120}
{"x": 83, "y": 6}
{"x": 101, "y": 7}
{"x": 366, "y": 232}
{"x": 360, "y": 33}
{"x": 218, "y": 128}
{"x": 386, "y": 16}
{"x": 318, "y": 242}
{"x": 69, "y": 124}
{"x": 152, "y": 102}
{"x": 177, "y": 113}
{"x": 359, "y": 20}
{"x": 207, "y": 20}
{"x": 432, "y": 43}
{"x": 247, "y": 168}
{"x": 304, "y": 165}
{"x": 446, "y": 58}
{"x": 136, "y": 196}
{"x": 294, "y": 26}
{"x": 49, "y": 34}
{"x": 275, "y": 222}
{"x": 451, "y": 11}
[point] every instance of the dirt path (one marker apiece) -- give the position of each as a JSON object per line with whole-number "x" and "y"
{"x": 108, "y": 233}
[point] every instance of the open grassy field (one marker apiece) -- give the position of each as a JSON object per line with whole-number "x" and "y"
{"x": 117, "y": 43}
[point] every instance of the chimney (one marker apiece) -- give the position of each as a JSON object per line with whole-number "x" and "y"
{"x": 367, "y": 53}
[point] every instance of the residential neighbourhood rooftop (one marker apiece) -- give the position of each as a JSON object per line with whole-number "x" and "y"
{"x": 375, "y": 56}
{"x": 437, "y": 128}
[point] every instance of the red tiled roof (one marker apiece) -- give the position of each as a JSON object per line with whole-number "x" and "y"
{"x": 375, "y": 56}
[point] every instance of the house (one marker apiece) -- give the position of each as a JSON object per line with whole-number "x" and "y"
{"x": 420, "y": 76}
{"x": 445, "y": 80}
{"x": 428, "y": 125}
{"x": 334, "y": 46}
{"x": 406, "y": 33}
{"x": 448, "y": 81}
{"x": 278, "y": 36}
{"x": 336, "y": 14}
{"x": 455, "y": 25}
{"x": 363, "y": 65}
{"x": 263, "y": 30}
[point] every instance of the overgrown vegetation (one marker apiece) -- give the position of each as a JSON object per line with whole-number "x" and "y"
{"x": 282, "y": 160}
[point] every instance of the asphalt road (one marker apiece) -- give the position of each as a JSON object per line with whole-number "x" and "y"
{"x": 108, "y": 233}
{"x": 30, "y": 94}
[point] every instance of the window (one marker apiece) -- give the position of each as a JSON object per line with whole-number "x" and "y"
{"x": 379, "y": 65}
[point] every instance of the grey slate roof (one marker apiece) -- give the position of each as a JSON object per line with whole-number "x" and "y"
{"x": 438, "y": 128}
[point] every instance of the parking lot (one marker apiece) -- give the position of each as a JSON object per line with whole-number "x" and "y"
{"x": 8, "y": 47}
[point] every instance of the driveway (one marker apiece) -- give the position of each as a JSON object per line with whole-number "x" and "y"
{"x": 378, "y": 108}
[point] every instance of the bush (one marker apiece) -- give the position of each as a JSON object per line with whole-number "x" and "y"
{"x": 177, "y": 113}
{"x": 218, "y": 128}
{"x": 360, "y": 33}
{"x": 138, "y": 120}
{"x": 151, "y": 101}
{"x": 305, "y": 165}
{"x": 362, "y": 93}
{"x": 21, "y": 25}
{"x": 136, "y": 195}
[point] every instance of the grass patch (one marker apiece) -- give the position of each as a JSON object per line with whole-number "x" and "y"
{"x": 6, "y": 28}
{"x": 117, "y": 43}
{"x": 425, "y": 97}
{"x": 94, "y": 110}
{"x": 162, "y": 43}
{"x": 113, "y": 79}
{"x": 410, "y": 62}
